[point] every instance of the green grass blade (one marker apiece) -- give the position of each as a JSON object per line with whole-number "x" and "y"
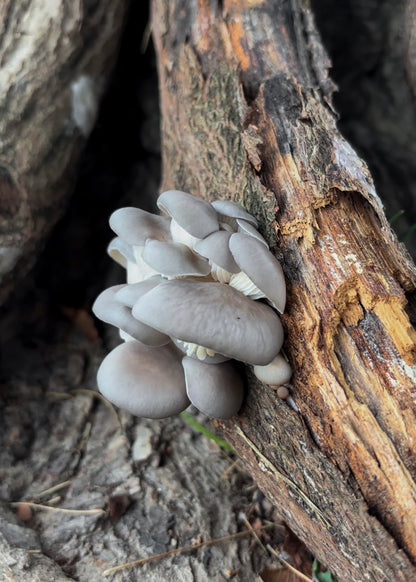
{"x": 220, "y": 442}
{"x": 396, "y": 216}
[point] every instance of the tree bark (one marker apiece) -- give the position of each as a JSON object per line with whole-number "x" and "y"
{"x": 55, "y": 60}
{"x": 373, "y": 50}
{"x": 247, "y": 115}
{"x": 157, "y": 486}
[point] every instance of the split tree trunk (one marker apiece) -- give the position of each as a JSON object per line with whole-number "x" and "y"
{"x": 247, "y": 116}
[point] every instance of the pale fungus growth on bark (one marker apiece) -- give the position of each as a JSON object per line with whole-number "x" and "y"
{"x": 202, "y": 291}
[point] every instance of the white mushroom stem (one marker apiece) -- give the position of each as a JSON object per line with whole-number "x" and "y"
{"x": 245, "y": 285}
{"x": 133, "y": 273}
{"x": 142, "y": 270}
{"x": 180, "y": 235}
{"x": 194, "y": 349}
{"x": 228, "y": 227}
{"x": 219, "y": 274}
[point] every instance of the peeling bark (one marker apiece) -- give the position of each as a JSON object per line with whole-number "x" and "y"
{"x": 373, "y": 48}
{"x": 247, "y": 115}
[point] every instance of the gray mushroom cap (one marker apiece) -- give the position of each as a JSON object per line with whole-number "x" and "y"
{"x": 174, "y": 259}
{"x": 195, "y": 216}
{"x": 148, "y": 382}
{"x": 108, "y": 309}
{"x": 215, "y": 316}
{"x": 129, "y": 294}
{"x": 135, "y": 226}
{"x": 258, "y": 263}
{"x": 226, "y": 208}
{"x": 247, "y": 228}
{"x": 215, "y": 248}
{"x": 215, "y": 389}
{"x": 120, "y": 251}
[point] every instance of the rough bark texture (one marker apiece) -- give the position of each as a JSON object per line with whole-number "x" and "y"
{"x": 247, "y": 116}
{"x": 161, "y": 485}
{"x": 373, "y": 49}
{"x": 55, "y": 61}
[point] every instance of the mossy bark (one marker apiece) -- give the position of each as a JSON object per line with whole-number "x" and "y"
{"x": 247, "y": 115}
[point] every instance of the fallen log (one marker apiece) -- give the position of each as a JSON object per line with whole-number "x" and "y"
{"x": 247, "y": 116}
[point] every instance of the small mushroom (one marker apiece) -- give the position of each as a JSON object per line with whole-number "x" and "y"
{"x": 259, "y": 267}
{"x": 215, "y": 389}
{"x": 215, "y": 316}
{"x": 148, "y": 382}
{"x": 135, "y": 226}
{"x": 229, "y": 212}
{"x": 247, "y": 228}
{"x": 277, "y": 373}
{"x": 129, "y": 257}
{"x": 174, "y": 259}
{"x": 108, "y": 309}
{"x": 215, "y": 248}
{"x": 121, "y": 252}
{"x": 192, "y": 218}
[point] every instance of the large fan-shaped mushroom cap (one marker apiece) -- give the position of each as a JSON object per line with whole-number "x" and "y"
{"x": 215, "y": 316}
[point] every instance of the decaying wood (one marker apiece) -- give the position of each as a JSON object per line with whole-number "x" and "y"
{"x": 247, "y": 115}
{"x": 55, "y": 59}
{"x": 373, "y": 52}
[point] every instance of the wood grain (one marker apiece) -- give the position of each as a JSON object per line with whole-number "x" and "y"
{"x": 247, "y": 116}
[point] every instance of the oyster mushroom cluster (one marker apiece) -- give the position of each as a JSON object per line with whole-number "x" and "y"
{"x": 202, "y": 290}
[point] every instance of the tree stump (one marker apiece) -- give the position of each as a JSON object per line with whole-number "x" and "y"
{"x": 247, "y": 115}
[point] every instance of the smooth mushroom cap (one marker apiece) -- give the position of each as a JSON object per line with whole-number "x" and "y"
{"x": 135, "y": 226}
{"x": 194, "y": 215}
{"x": 129, "y": 294}
{"x": 108, "y": 309}
{"x": 276, "y": 373}
{"x": 226, "y": 208}
{"x": 120, "y": 251}
{"x": 148, "y": 382}
{"x": 258, "y": 263}
{"x": 215, "y": 316}
{"x": 174, "y": 259}
{"x": 247, "y": 228}
{"x": 215, "y": 248}
{"x": 215, "y": 389}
